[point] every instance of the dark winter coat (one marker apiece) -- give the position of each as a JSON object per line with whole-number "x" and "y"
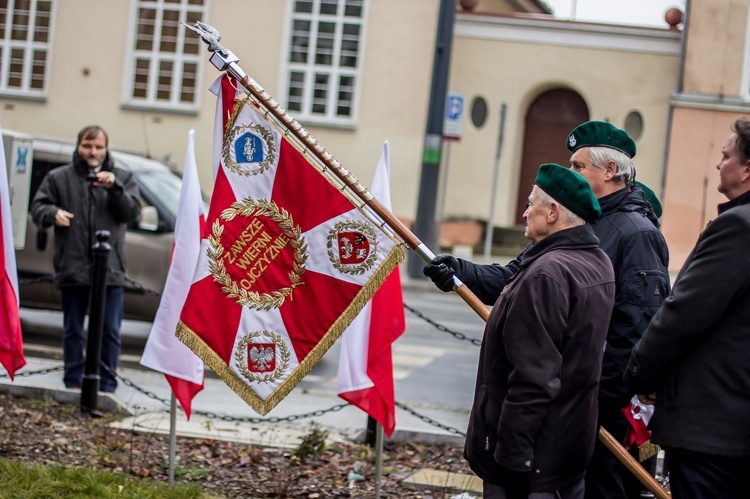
{"x": 536, "y": 394}
{"x": 628, "y": 232}
{"x": 66, "y": 187}
{"x": 695, "y": 354}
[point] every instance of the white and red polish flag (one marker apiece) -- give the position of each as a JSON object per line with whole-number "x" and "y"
{"x": 286, "y": 263}
{"x": 11, "y": 340}
{"x": 365, "y": 376}
{"x": 164, "y": 352}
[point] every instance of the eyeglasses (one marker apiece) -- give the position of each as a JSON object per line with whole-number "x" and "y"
{"x": 528, "y": 204}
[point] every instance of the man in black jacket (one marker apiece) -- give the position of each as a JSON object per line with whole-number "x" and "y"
{"x": 694, "y": 359}
{"x": 628, "y": 232}
{"x": 532, "y": 426}
{"x": 80, "y": 198}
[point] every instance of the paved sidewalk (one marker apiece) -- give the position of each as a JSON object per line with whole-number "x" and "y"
{"x": 229, "y": 417}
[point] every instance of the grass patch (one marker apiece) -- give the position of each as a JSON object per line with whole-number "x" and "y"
{"x": 23, "y": 480}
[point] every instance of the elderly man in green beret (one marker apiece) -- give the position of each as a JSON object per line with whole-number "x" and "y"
{"x": 533, "y": 422}
{"x": 628, "y": 232}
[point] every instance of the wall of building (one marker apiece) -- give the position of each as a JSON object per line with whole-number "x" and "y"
{"x": 612, "y": 81}
{"x": 513, "y": 61}
{"x": 704, "y": 109}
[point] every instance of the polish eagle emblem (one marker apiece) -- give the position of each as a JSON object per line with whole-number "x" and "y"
{"x": 261, "y": 358}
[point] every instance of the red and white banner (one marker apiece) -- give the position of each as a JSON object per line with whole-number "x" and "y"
{"x": 11, "y": 340}
{"x": 365, "y": 376}
{"x": 163, "y": 351}
{"x": 286, "y": 263}
{"x": 639, "y": 415}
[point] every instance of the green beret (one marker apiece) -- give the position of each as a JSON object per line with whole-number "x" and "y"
{"x": 570, "y": 189}
{"x": 600, "y": 134}
{"x": 651, "y": 198}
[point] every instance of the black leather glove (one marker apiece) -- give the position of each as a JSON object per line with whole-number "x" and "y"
{"x": 517, "y": 484}
{"x": 441, "y": 270}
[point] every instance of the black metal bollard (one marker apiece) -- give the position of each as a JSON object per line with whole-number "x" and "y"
{"x": 370, "y": 432}
{"x": 90, "y": 384}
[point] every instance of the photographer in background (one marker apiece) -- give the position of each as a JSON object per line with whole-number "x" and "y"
{"x": 80, "y": 198}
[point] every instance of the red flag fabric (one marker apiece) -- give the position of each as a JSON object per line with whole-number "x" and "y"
{"x": 287, "y": 260}
{"x": 639, "y": 415}
{"x": 365, "y": 376}
{"x": 11, "y": 340}
{"x": 163, "y": 351}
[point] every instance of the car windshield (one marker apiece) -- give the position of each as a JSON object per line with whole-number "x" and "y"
{"x": 163, "y": 185}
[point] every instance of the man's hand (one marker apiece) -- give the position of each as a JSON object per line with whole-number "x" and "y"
{"x": 517, "y": 484}
{"x": 62, "y": 218}
{"x": 649, "y": 399}
{"x": 105, "y": 179}
{"x": 441, "y": 270}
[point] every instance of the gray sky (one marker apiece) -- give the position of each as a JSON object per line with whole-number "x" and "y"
{"x": 632, "y": 12}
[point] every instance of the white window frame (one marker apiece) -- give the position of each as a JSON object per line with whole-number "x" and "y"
{"x": 29, "y": 46}
{"x": 155, "y": 56}
{"x": 335, "y": 71}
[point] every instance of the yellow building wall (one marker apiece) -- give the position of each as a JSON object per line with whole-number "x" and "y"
{"x": 397, "y": 64}
{"x": 715, "y": 47}
{"x": 612, "y": 83}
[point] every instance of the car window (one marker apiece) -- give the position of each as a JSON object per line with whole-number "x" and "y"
{"x": 164, "y": 186}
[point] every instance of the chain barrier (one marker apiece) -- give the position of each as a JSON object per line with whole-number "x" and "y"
{"x": 440, "y": 327}
{"x": 34, "y": 373}
{"x": 132, "y": 284}
{"x": 429, "y": 420}
{"x": 235, "y": 419}
{"x": 212, "y": 415}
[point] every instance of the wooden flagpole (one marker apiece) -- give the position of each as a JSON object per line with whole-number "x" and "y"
{"x": 225, "y": 60}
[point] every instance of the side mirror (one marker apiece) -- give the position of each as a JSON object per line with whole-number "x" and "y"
{"x": 149, "y": 219}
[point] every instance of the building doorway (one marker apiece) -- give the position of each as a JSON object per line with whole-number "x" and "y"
{"x": 549, "y": 120}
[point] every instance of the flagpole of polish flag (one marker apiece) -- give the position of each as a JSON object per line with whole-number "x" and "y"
{"x": 164, "y": 352}
{"x": 11, "y": 340}
{"x": 365, "y": 376}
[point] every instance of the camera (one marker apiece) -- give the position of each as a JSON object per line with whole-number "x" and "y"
{"x": 91, "y": 177}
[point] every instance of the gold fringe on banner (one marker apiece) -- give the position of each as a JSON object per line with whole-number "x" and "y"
{"x": 241, "y": 388}
{"x": 647, "y": 450}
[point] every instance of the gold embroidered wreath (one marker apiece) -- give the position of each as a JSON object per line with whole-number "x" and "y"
{"x": 237, "y": 131}
{"x": 241, "y": 358}
{"x": 333, "y": 241}
{"x": 261, "y": 208}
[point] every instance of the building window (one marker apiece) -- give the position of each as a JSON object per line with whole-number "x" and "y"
{"x": 165, "y": 58}
{"x": 25, "y": 27}
{"x": 324, "y": 60}
{"x": 634, "y": 124}
{"x": 478, "y": 112}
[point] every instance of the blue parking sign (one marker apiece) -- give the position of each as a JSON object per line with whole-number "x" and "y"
{"x": 454, "y": 116}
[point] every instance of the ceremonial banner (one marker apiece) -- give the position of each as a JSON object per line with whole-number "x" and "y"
{"x": 286, "y": 263}
{"x": 163, "y": 351}
{"x": 11, "y": 340}
{"x": 365, "y": 376}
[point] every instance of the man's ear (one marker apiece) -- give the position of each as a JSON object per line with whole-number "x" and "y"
{"x": 553, "y": 212}
{"x": 610, "y": 170}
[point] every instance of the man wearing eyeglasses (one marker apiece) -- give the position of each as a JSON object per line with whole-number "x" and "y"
{"x": 628, "y": 232}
